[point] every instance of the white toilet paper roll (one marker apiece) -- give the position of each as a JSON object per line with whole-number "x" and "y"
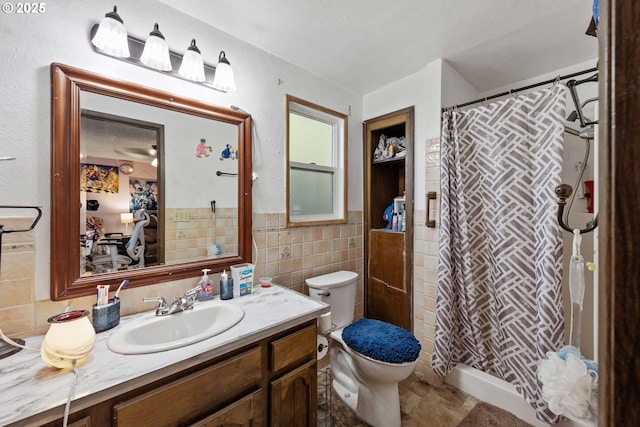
{"x": 323, "y": 346}
{"x": 325, "y": 323}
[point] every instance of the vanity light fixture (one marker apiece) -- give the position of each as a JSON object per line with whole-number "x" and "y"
{"x": 152, "y": 54}
{"x": 156, "y": 52}
{"x": 111, "y": 36}
{"x": 223, "y": 79}
{"x": 192, "y": 66}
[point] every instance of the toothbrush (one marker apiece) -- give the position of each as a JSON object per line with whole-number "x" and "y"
{"x": 122, "y": 285}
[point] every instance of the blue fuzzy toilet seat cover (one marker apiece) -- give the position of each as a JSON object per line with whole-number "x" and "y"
{"x": 381, "y": 341}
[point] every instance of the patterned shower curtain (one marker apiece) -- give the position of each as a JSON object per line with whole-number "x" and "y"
{"x": 499, "y": 304}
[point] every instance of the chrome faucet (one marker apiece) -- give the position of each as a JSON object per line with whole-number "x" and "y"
{"x": 178, "y": 304}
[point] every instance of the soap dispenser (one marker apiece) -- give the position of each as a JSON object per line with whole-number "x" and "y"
{"x": 206, "y": 286}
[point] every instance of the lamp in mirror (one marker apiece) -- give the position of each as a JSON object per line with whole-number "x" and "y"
{"x": 111, "y": 36}
{"x": 192, "y": 66}
{"x": 223, "y": 79}
{"x": 126, "y": 218}
{"x": 156, "y": 52}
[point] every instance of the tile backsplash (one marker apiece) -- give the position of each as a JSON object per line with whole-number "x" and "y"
{"x": 289, "y": 255}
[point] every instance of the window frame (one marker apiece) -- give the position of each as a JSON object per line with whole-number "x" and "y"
{"x": 339, "y": 121}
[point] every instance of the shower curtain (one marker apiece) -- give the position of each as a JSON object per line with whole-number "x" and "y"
{"x": 499, "y": 303}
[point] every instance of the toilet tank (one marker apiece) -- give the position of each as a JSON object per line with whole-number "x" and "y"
{"x": 339, "y": 291}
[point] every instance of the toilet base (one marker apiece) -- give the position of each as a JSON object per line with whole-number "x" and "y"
{"x": 373, "y": 402}
{"x": 379, "y": 409}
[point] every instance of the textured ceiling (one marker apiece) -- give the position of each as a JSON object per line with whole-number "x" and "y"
{"x": 366, "y": 44}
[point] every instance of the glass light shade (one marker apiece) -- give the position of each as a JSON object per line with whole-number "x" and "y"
{"x": 192, "y": 66}
{"x": 223, "y": 79}
{"x": 70, "y": 339}
{"x": 111, "y": 36}
{"x": 126, "y": 218}
{"x": 154, "y": 162}
{"x": 156, "y": 52}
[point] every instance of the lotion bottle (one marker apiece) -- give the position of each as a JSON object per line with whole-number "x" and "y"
{"x": 226, "y": 286}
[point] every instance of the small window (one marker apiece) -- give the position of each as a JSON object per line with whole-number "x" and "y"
{"x": 316, "y": 164}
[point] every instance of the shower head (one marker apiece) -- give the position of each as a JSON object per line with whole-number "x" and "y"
{"x": 573, "y": 116}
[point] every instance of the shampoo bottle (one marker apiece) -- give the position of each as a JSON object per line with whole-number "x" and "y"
{"x": 226, "y": 286}
{"x": 206, "y": 286}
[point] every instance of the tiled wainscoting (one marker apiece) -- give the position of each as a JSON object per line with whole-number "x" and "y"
{"x": 289, "y": 255}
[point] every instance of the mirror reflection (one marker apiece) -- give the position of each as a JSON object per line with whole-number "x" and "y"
{"x": 146, "y": 190}
{"x": 147, "y": 186}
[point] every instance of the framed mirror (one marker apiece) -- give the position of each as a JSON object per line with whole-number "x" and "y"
{"x": 146, "y": 185}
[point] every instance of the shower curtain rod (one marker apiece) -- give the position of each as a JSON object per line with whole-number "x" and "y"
{"x": 520, "y": 89}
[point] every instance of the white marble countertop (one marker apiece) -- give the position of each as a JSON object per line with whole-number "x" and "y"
{"x": 29, "y": 387}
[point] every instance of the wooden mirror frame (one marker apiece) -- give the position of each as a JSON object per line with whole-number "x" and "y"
{"x": 67, "y": 85}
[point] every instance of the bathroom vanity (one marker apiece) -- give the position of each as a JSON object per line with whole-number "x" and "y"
{"x": 260, "y": 372}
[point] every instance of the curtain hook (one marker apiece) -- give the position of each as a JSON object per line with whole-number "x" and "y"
{"x": 513, "y": 93}
{"x": 484, "y": 101}
{"x": 556, "y": 81}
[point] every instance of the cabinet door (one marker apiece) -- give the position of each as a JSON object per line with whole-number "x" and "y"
{"x": 246, "y": 412}
{"x": 294, "y": 398}
{"x": 386, "y": 303}
{"x": 387, "y": 298}
{"x": 386, "y": 258}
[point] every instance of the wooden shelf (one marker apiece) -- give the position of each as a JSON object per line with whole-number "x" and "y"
{"x": 387, "y": 161}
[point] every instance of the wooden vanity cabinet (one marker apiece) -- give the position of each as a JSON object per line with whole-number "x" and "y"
{"x": 272, "y": 382}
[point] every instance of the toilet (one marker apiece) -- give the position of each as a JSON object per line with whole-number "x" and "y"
{"x": 370, "y": 359}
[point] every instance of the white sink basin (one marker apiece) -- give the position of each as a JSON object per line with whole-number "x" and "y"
{"x": 177, "y": 330}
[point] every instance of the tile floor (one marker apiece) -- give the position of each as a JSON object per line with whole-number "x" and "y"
{"x": 421, "y": 404}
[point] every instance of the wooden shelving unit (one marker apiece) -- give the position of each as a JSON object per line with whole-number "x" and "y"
{"x": 388, "y": 254}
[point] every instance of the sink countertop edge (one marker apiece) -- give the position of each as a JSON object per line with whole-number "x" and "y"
{"x": 25, "y": 372}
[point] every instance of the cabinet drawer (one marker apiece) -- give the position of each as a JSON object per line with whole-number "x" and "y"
{"x": 293, "y": 348}
{"x": 193, "y": 397}
{"x": 246, "y": 412}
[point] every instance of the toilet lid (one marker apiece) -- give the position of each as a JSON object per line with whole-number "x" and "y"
{"x": 381, "y": 341}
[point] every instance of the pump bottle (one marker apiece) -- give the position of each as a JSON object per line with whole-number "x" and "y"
{"x": 206, "y": 286}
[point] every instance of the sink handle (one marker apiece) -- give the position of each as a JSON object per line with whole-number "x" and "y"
{"x": 160, "y": 300}
{"x": 191, "y": 296}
